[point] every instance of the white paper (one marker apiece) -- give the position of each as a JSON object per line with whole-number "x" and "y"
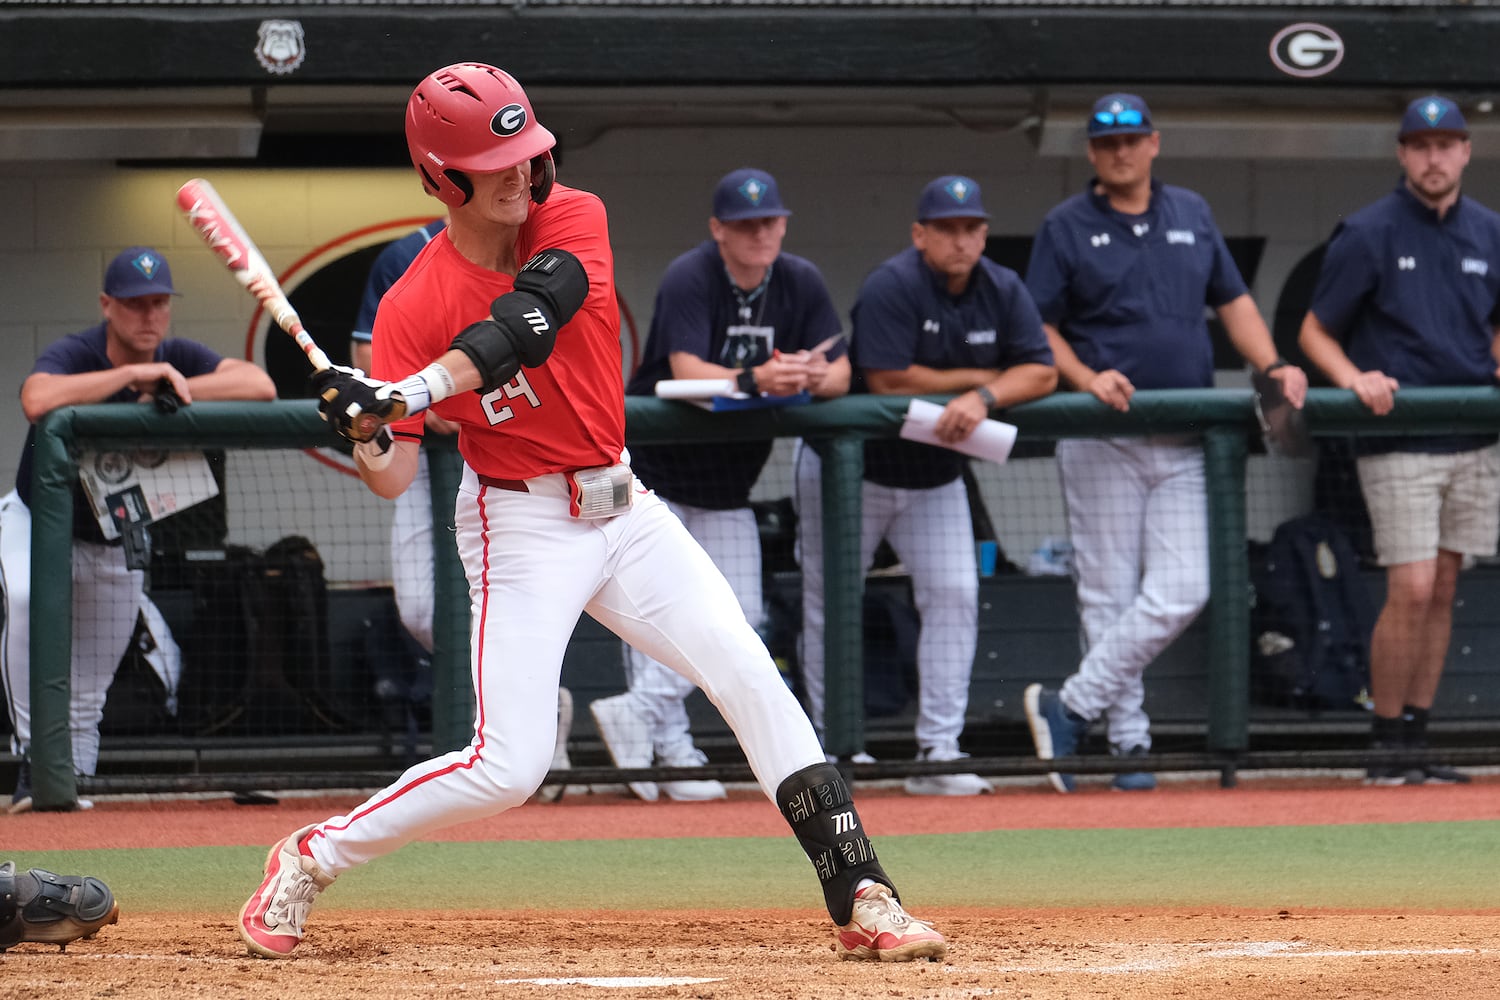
{"x": 696, "y": 388}
{"x": 991, "y": 440}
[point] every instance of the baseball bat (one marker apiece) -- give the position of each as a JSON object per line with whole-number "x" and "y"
{"x": 218, "y": 227}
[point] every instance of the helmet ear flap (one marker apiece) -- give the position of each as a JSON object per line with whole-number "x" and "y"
{"x": 543, "y": 175}
{"x": 460, "y": 180}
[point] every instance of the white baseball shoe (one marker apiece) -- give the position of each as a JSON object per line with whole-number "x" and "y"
{"x": 880, "y": 930}
{"x": 272, "y": 920}
{"x": 687, "y": 755}
{"x": 946, "y": 784}
{"x": 623, "y": 731}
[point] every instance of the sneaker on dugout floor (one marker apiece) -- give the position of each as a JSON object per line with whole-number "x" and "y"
{"x": 946, "y": 784}
{"x": 624, "y": 734}
{"x": 560, "y": 761}
{"x": 880, "y": 930}
{"x": 272, "y": 920}
{"x": 1437, "y": 774}
{"x": 1133, "y": 781}
{"x": 1055, "y": 730}
{"x": 21, "y": 800}
{"x": 1391, "y": 775}
{"x": 691, "y": 790}
{"x": 855, "y": 758}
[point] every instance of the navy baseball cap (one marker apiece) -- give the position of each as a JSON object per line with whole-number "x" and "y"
{"x": 951, "y": 197}
{"x": 747, "y": 193}
{"x": 138, "y": 271}
{"x": 1120, "y": 114}
{"x": 1432, "y": 114}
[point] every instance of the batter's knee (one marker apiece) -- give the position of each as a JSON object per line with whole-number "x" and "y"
{"x": 511, "y": 781}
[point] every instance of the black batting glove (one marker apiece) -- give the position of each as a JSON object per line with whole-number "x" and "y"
{"x": 357, "y": 406}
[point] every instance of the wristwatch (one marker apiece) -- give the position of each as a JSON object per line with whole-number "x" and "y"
{"x": 1278, "y": 363}
{"x": 989, "y": 397}
{"x": 745, "y": 382}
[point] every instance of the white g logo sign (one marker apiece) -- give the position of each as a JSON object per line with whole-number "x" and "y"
{"x": 1306, "y": 50}
{"x": 508, "y": 120}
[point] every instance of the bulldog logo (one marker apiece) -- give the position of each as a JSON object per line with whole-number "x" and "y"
{"x": 281, "y": 47}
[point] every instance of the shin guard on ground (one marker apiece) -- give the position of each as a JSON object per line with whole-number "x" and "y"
{"x": 817, "y": 804}
{"x": 51, "y": 909}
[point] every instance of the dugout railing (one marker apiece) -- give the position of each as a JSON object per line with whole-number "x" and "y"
{"x": 1224, "y": 418}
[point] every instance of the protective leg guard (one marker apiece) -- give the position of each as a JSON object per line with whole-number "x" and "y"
{"x": 817, "y": 805}
{"x": 52, "y": 909}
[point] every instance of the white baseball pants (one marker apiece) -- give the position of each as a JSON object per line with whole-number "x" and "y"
{"x": 658, "y": 693}
{"x": 106, "y": 601}
{"x": 532, "y": 570}
{"x": 933, "y": 534}
{"x": 1138, "y": 516}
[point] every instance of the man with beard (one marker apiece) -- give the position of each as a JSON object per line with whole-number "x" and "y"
{"x": 1409, "y": 295}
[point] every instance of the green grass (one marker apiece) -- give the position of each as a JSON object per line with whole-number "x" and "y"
{"x": 1409, "y": 866}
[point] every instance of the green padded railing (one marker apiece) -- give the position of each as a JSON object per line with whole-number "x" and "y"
{"x": 1225, "y": 418}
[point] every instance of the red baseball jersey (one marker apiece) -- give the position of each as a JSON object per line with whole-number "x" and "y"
{"x": 567, "y": 413}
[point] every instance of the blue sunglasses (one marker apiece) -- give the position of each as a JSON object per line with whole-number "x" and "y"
{"x": 1130, "y": 116}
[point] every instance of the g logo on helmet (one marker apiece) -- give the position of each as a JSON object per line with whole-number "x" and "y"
{"x": 1306, "y": 50}
{"x": 508, "y": 120}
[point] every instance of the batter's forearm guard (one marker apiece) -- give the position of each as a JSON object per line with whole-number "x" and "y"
{"x": 522, "y": 330}
{"x": 817, "y": 805}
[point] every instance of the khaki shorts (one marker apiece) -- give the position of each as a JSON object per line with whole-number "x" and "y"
{"x": 1420, "y": 503}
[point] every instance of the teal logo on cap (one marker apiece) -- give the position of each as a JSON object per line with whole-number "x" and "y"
{"x": 147, "y": 264}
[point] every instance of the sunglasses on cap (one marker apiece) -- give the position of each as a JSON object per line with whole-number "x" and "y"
{"x": 1130, "y": 116}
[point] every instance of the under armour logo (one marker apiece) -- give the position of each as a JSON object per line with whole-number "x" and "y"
{"x": 930, "y": 326}
{"x": 1141, "y": 228}
{"x": 1100, "y": 240}
{"x": 1406, "y": 263}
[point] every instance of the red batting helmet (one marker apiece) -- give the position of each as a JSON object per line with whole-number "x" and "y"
{"x": 470, "y": 117}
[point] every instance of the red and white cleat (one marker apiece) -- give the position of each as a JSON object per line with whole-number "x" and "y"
{"x": 880, "y": 930}
{"x": 271, "y": 921}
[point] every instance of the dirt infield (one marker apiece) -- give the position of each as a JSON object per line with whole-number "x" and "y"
{"x": 772, "y": 954}
{"x": 747, "y": 952}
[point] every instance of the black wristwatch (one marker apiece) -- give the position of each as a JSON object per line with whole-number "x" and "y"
{"x": 1278, "y": 363}
{"x": 746, "y": 382}
{"x": 988, "y": 397}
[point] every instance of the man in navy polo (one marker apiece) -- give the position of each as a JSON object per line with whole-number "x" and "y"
{"x": 936, "y": 318}
{"x": 738, "y": 307}
{"x": 1121, "y": 273}
{"x": 1409, "y": 295}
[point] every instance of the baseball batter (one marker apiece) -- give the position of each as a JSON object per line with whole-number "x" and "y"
{"x": 120, "y": 360}
{"x": 517, "y": 301}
